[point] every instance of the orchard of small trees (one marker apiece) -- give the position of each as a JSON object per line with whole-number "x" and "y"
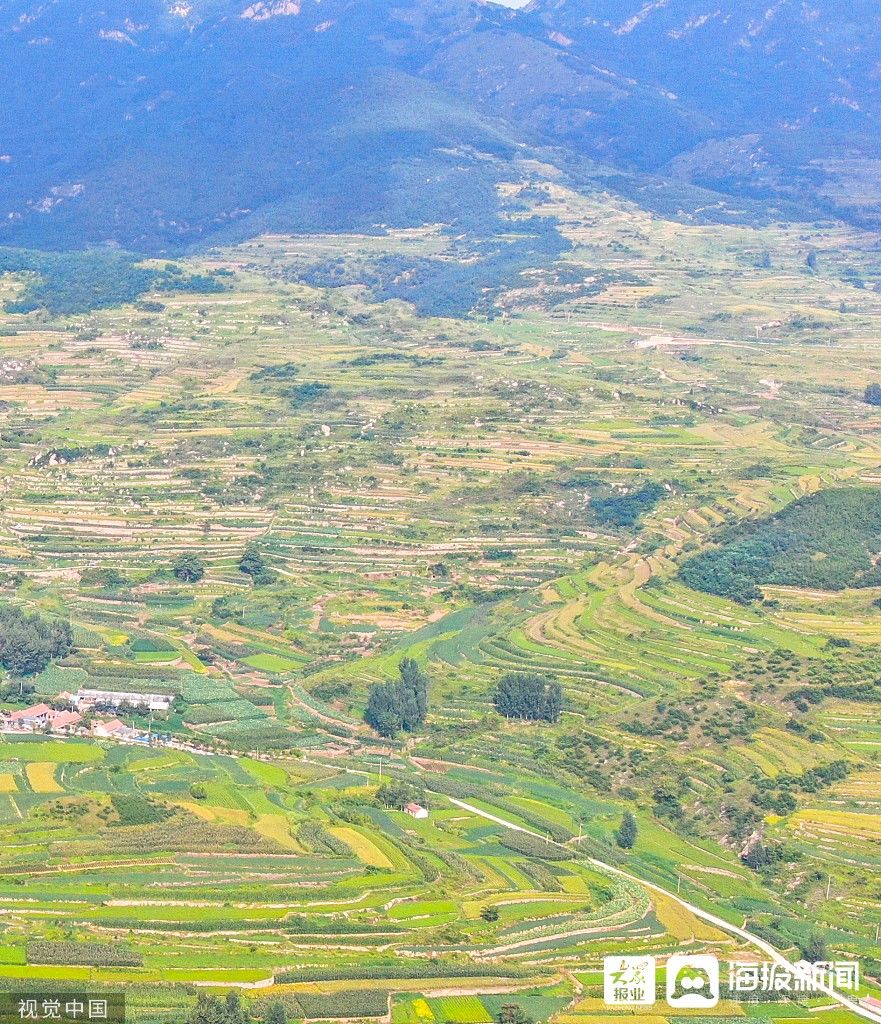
{"x": 529, "y": 695}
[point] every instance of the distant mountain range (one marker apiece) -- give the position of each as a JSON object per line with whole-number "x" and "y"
{"x": 164, "y": 125}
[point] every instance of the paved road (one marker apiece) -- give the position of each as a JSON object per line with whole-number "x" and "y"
{"x": 717, "y": 922}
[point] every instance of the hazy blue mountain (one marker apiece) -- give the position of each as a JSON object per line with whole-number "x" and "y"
{"x": 736, "y": 92}
{"x": 164, "y": 124}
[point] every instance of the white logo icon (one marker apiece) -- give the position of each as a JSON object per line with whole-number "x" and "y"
{"x": 629, "y": 980}
{"x": 692, "y": 982}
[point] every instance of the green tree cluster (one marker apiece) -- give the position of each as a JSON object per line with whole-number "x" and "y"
{"x": 188, "y": 569}
{"x": 625, "y": 837}
{"x": 28, "y": 642}
{"x": 212, "y": 1010}
{"x": 872, "y": 395}
{"x": 513, "y": 1013}
{"x": 393, "y": 707}
{"x": 398, "y": 794}
{"x": 625, "y": 509}
{"x": 815, "y": 948}
{"x": 529, "y": 695}
{"x": 81, "y": 280}
{"x": 451, "y": 287}
{"x": 253, "y": 564}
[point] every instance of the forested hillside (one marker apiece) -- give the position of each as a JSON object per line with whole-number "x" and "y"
{"x": 827, "y": 541}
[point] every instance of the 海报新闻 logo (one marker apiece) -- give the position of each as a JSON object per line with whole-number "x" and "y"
{"x": 692, "y": 982}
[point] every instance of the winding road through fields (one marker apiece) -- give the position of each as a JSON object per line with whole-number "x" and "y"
{"x": 778, "y": 958}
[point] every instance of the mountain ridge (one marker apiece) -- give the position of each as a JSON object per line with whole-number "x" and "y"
{"x": 158, "y": 126}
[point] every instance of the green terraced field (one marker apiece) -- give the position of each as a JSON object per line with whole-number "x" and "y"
{"x": 441, "y": 499}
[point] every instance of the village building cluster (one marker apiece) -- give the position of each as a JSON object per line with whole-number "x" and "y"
{"x": 98, "y": 705}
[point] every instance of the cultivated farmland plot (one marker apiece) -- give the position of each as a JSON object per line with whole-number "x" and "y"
{"x": 485, "y": 496}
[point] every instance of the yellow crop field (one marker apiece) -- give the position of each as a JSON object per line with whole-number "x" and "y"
{"x": 41, "y": 776}
{"x": 861, "y": 825}
{"x": 573, "y": 884}
{"x": 275, "y": 828}
{"x": 681, "y": 923}
{"x": 225, "y": 815}
{"x": 362, "y": 847}
{"x": 7, "y": 782}
{"x": 422, "y": 1010}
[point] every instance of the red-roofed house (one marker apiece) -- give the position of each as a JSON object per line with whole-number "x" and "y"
{"x": 64, "y": 721}
{"x": 113, "y": 729}
{"x": 416, "y": 811}
{"x": 31, "y": 718}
